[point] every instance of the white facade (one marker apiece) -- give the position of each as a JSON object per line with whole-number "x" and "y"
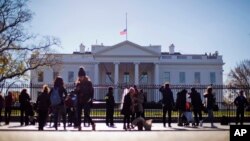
{"x": 129, "y": 63}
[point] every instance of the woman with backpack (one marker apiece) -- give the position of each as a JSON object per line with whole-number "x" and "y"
{"x": 57, "y": 97}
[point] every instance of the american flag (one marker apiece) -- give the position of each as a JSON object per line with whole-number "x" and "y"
{"x": 123, "y": 32}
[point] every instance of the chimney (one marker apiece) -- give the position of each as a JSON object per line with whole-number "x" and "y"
{"x": 82, "y": 48}
{"x": 171, "y": 49}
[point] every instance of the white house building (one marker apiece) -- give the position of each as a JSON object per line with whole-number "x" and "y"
{"x": 130, "y": 63}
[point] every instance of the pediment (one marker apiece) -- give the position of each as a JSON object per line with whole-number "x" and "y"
{"x": 126, "y": 48}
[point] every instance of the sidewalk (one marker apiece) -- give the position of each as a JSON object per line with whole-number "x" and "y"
{"x": 15, "y": 126}
{"x": 15, "y": 132}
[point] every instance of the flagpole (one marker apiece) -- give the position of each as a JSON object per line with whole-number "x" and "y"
{"x": 126, "y": 28}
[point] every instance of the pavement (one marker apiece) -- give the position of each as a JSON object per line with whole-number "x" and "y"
{"x": 15, "y": 132}
{"x": 15, "y": 126}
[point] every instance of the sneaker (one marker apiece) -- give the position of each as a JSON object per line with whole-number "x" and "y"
{"x": 201, "y": 123}
{"x": 179, "y": 124}
{"x": 124, "y": 127}
{"x": 213, "y": 126}
{"x": 113, "y": 126}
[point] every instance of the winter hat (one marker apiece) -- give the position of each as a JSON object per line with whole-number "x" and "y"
{"x": 81, "y": 72}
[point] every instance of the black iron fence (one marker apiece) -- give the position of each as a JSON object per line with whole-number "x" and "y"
{"x": 224, "y": 98}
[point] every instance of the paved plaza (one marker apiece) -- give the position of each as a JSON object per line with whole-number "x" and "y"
{"x": 15, "y": 132}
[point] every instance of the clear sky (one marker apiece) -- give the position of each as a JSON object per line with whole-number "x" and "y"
{"x": 194, "y": 26}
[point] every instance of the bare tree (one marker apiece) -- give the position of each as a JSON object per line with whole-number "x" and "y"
{"x": 240, "y": 76}
{"x": 21, "y": 51}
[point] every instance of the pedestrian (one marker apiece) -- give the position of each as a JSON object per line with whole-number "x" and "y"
{"x": 1, "y": 106}
{"x": 209, "y": 104}
{"x": 43, "y": 104}
{"x": 144, "y": 95}
{"x": 134, "y": 100}
{"x": 127, "y": 108}
{"x": 8, "y": 105}
{"x": 181, "y": 105}
{"x": 110, "y": 105}
{"x": 138, "y": 104}
{"x": 57, "y": 97}
{"x": 167, "y": 102}
{"x": 85, "y": 93}
{"x": 240, "y": 102}
{"x": 197, "y": 105}
{"x": 70, "y": 110}
{"x": 24, "y": 100}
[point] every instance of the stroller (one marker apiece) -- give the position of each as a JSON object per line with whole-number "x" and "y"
{"x": 187, "y": 116}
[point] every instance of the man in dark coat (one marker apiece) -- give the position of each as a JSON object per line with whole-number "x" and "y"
{"x": 24, "y": 100}
{"x": 197, "y": 105}
{"x": 110, "y": 104}
{"x": 85, "y": 94}
{"x": 168, "y": 103}
{"x": 240, "y": 102}
{"x": 8, "y": 107}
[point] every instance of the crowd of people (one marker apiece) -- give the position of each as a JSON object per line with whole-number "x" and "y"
{"x": 57, "y": 103}
{"x": 190, "y": 103}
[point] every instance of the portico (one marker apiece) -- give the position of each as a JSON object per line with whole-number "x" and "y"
{"x": 127, "y": 63}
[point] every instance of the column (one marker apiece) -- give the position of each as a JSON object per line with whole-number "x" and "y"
{"x": 136, "y": 73}
{"x": 156, "y": 73}
{"x": 96, "y": 81}
{"x": 116, "y": 80}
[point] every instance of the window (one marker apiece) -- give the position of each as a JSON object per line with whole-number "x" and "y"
{"x": 126, "y": 77}
{"x": 166, "y": 77}
{"x": 70, "y": 76}
{"x": 108, "y": 78}
{"x": 182, "y": 77}
{"x": 212, "y": 77}
{"x": 55, "y": 74}
{"x": 144, "y": 78}
{"x": 197, "y": 77}
{"x": 40, "y": 76}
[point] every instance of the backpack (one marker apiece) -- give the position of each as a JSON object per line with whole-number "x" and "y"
{"x": 55, "y": 98}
